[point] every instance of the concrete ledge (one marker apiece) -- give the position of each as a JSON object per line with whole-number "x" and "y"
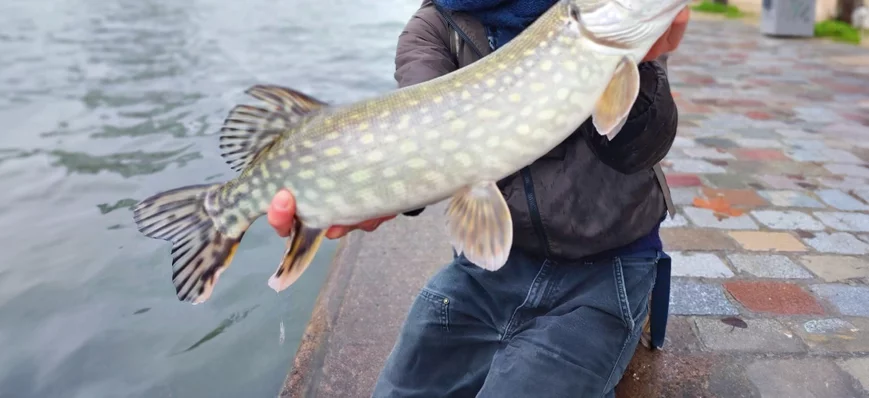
{"x": 311, "y": 351}
{"x": 358, "y": 314}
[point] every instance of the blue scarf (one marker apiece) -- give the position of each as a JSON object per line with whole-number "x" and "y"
{"x": 503, "y": 19}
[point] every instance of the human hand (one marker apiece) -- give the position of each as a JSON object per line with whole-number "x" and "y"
{"x": 282, "y": 213}
{"x": 669, "y": 41}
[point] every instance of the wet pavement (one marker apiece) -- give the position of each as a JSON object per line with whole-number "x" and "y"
{"x": 770, "y": 293}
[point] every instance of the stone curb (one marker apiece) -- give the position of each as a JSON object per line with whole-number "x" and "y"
{"x": 304, "y": 372}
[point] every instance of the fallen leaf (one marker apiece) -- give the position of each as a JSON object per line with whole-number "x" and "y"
{"x": 735, "y": 322}
{"x": 720, "y": 207}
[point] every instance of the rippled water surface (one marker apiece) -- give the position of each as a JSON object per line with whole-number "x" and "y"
{"x": 104, "y": 102}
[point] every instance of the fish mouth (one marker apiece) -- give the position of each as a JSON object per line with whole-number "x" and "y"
{"x": 673, "y": 7}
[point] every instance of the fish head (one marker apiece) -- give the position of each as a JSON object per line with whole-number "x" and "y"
{"x": 623, "y": 27}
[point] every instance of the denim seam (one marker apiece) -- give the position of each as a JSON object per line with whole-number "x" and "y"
{"x": 444, "y": 302}
{"x": 509, "y": 326}
{"x": 630, "y": 335}
{"x": 624, "y": 302}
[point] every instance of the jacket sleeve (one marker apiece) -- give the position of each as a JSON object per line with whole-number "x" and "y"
{"x": 649, "y": 131}
{"x": 422, "y": 53}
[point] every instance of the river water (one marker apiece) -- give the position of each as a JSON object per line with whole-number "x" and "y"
{"x": 104, "y": 102}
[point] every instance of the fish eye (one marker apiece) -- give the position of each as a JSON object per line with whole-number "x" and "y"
{"x": 573, "y": 11}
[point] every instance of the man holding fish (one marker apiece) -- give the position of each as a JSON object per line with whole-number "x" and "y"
{"x": 542, "y": 122}
{"x": 562, "y": 318}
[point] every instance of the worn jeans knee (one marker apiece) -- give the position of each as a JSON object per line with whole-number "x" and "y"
{"x": 528, "y": 329}
{"x": 444, "y": 346}
{"x": 583, "y": 341}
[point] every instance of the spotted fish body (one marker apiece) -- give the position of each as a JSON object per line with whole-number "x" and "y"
{"x": 451, "y": 137}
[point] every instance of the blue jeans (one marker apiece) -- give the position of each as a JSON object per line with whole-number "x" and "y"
{"x": 532, "y": 329}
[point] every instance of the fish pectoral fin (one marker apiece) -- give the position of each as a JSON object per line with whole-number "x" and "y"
{"x": 480, "y": 226}
{"x": 249, "y": 130}
{"x": 301, "y": 249}
{"x": 200, "y": 252}
{"x": 614, "y": 105}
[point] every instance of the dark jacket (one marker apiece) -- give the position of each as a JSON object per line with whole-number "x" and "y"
{"x": 586, "y": 196}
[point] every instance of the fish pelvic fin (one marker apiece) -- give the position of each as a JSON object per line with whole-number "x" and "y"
{"x": 249, "y": 130}
{"x": 614, "y": 105}
{"x": 480, "y": 225}
{"x": 301, "y": 249}
{"x": 200, "y": 252}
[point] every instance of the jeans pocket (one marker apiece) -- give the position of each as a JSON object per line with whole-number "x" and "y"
{"x": 435, "y": 304}
{"x": 634, "y": 278}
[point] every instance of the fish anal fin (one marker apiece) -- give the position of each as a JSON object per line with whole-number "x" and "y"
{"x": 200, "y": 252}
{"x": 301, "y": 248}
{"x": 480, "y": 225}
{"x": 249, "y": 130}
{"x": 614, "y": 105}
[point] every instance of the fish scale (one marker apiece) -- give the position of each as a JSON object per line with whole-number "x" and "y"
{"x": 451, "y": 137}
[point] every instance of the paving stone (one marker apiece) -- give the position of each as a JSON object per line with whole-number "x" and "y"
{"x": 855, "y": 222}
{"x": 707, "y": 218}
{"x": 695, "y": 166}
{"x": 728, "y": 180}
{"x": 707, "y": 153}
{"x": 677, "y": 221}
{"x": 852, "y": 170}
{"x": 822, "y": 155}
{"x": 759, "y": 154}
{"x": 767, "y": 241}
{"x": 790, "y": 199}
{"x": 758, "y": 143}
{"x": 799, "y": 378}
{"x": 768, "y": 266}
{"x": 695, "y": 298}
{"x": 843, "y": 183}
{"x": 858, "y": 368}
{"x": 815, "y": 144}
{"x": 832, "y": 334}
{"x": 862, "y": 193}
{"x": 696, "y": 239}
{"x": 841, "y": 200}
{"x": 683, "y": 180}
{"x": 794, "y": 133}
{"x": 779, "y": 182}
{"x": 837, "y": 268}
{"x": 716, "y": 142}
{"x": 848, "y": 300}
{"x": 703, "y": 265}
{"x": 761, "y": 335}
{"x": 773, "y": 297}
{"x": 684, "y": 142}
{"x": 787, "y": 220}
{"x": 684, "y": 195}
{"x": 837, "y": 242}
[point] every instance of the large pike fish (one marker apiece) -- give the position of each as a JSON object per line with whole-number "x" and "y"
{"x": 451, "y": 137}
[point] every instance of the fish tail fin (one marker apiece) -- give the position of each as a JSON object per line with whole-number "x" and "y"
{"x": 301, "y": 249}
{"x": 200, "y": 252}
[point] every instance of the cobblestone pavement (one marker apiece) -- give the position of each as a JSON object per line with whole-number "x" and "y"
{"x": 770, "y": 248}
{"x": 770, "y": 292}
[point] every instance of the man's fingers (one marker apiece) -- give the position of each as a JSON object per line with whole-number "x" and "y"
{"x": 337, "y": 232}
{"x": 281, "y": 213}
{"x": 670, "y": 40}
{"x": 370, "y": 225}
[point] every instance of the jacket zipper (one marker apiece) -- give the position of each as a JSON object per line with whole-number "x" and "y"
{"x": 533, "y": 209}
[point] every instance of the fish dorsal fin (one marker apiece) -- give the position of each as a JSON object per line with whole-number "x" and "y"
{"x": 248, "y": 130}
